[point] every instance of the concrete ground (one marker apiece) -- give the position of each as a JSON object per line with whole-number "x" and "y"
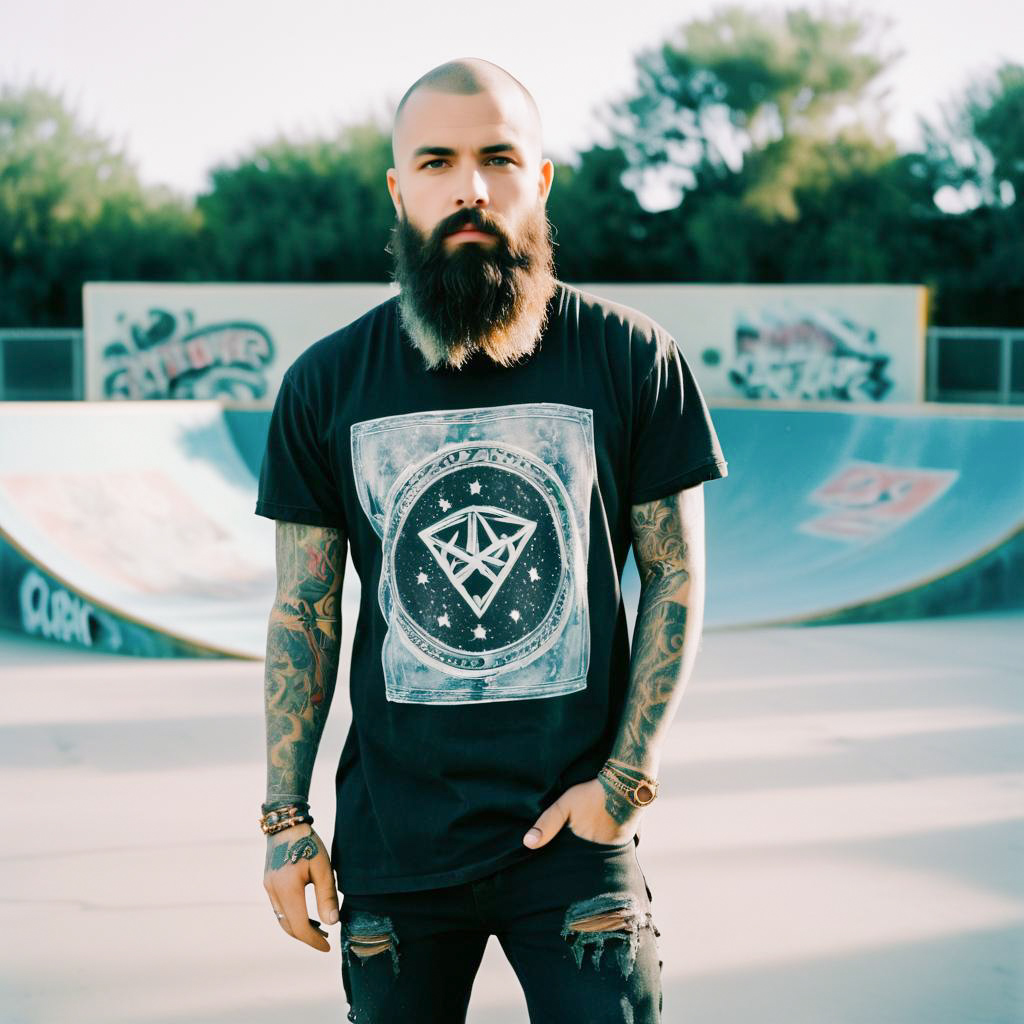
{"x": 839, "y": 838}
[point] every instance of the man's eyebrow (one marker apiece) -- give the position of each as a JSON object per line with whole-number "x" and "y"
{"x": 498, "y": 147}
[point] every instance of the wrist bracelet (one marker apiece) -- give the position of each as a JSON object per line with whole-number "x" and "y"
{"x": 639, "y": 791}
{"x": 277, "y": 818}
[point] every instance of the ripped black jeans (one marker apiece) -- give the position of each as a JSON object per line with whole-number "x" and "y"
{"x": 574, "y": 919}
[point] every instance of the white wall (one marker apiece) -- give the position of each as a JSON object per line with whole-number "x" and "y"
{"x": 841, "y": 342}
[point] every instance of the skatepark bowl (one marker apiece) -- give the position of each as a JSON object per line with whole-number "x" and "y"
{"x": 838, "y": 836}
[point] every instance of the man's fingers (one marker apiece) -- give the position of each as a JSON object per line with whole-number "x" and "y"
{"x": 293, "y": 903}
{"x": 326, "y": 893}
{"x": 545, "y": 827}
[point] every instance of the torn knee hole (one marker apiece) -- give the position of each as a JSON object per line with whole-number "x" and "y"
{"x": 367, "y": 935}
{"x": 367, "y": 945}
{"x": 608, "y": 912}
{"x": 611, "y": 917}
{"x": 615, "y": 921}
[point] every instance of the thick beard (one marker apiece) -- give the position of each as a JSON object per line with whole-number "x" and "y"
{"x": 491, "y": 297}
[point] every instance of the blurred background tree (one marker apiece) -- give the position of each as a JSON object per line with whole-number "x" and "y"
{"x": 975, "y": 156}
{"x": 71, "y": 210}
{"x": 763, "y": 130}
{"x": 310, "y": 211}
{"x": 745, "y": 102}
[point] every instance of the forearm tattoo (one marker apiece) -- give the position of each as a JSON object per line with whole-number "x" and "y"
{"x": 656, "y": 660}
{"x": 303, "y": 645}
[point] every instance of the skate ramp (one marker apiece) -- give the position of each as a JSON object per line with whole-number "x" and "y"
{"x": 843, "y": 516}
{"x": 128, "y": 527}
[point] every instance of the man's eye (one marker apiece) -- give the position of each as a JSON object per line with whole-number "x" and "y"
{"x": 439, "y": 160}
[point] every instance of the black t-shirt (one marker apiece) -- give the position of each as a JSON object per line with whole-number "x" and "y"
{"x": 487, "y": 510}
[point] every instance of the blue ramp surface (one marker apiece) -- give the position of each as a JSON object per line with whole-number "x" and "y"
{"x": 129, "y": 526}
{"x": 854, "y": 516}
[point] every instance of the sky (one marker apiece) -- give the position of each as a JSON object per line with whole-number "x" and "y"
{"x": 181, "y": 87}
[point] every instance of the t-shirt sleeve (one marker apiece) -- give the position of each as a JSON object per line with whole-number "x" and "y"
{"x": 674, "y": 441}
{"x": 297, "y": 482}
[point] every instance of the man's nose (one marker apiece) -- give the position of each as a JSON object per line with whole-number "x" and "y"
{"x": 472, "y": 189}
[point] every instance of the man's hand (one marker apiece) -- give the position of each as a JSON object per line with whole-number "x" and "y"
{"x": 585, "y": 809}
{"x": 296, "y": 857}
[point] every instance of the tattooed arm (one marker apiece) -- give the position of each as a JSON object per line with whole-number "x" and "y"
{"x": 668, "y": 541}
{"x": 303, "y": 646}
{"x": 668, "y": 538}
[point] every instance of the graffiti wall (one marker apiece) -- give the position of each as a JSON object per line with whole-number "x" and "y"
{"x": 844, "y": 343}
{"x": 230, "y": 341}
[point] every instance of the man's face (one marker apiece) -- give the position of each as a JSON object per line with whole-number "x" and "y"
{"x": 471, "y": 245}
{"x": 455, "y": 153}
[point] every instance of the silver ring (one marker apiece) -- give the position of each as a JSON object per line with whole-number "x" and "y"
{"x": 278, "y": 914}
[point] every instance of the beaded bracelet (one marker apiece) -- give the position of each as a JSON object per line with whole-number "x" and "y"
{"x": 281, "y": 817}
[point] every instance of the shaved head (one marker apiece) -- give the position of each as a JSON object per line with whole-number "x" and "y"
{"x": 469, "y": 76}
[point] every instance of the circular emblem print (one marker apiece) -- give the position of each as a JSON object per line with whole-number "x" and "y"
{"x": 475, "y": 552}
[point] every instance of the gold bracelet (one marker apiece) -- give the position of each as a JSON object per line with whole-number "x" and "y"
{"x": 281, "y": 818}
{"x": 638, "y": 793}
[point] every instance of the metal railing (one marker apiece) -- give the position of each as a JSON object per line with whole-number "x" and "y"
{"x": 975, "y": 364}
{"x": 41, "y": 363}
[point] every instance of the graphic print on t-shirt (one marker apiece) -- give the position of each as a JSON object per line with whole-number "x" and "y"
{"x": 483, "y": 516}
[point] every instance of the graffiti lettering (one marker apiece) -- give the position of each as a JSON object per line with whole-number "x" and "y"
{"x": 162, "y": 362}
{"x": 811, "y": 354}
{"x": 55, "y": 614}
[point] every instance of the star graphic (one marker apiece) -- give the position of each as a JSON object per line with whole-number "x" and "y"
{"x": 442, "y": 620}
{"x": 514, "y": 615}
{"x": 479, "y": 632}
{"x": 445, "y": 505}
{"x": 534, "y": 575}
{"x": 474, "y": 487}
{"x": 421, "y": 578}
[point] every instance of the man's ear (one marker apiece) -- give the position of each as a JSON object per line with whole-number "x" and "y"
{"x": 396, "y": 195}
{"x": 545, "y": 179}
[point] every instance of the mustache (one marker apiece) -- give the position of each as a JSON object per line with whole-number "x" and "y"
{"x": 471, "y": 217}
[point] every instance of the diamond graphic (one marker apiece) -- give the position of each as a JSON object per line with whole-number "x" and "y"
{"x": 477, "y": 548}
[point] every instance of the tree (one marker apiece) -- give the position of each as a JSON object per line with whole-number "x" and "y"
{"x": 748, "y": 92}
{"x": 607, "y": 235}
{"x": 974, "y": 153}
{"x": 978, "y": 139}
{"x": 316, "y": 210}
{"x": 71, "y": 210}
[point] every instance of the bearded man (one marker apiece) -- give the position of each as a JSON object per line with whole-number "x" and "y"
{"x": 488, "y": 443}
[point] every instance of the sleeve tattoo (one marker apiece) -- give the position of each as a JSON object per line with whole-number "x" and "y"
{"x": 668, "y": 541}
{"x": 303, "y": 645}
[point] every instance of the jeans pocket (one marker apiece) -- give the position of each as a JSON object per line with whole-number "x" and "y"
{"x": 592, "y": 842}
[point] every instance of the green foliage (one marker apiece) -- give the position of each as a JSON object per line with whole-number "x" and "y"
{"x": 600, "y": 230}
{"x": 71, "y": 210}
{"x": 746, "y": 87}
{"x": 310, "y": 211}
{"x": 978, "y": 141}
{"x": 764, "y": 121}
